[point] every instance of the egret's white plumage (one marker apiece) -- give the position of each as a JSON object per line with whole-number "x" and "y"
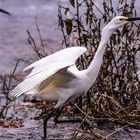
{"x": 56, "y": 78}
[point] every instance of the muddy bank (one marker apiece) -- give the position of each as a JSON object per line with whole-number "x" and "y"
{"x": 33, "y": 129}
{"x": 30, "y": 128}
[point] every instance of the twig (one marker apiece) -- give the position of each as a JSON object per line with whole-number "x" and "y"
{"x": 117, "y": 130}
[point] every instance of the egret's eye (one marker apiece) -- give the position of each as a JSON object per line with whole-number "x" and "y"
{"x": 123, "y": 19}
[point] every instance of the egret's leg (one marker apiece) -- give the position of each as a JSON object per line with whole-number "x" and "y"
{"x": 77, "y": 120}
{"x": 56, "y": 120}
{"x": 46, "y": 120}
{"x": 41, "y": 115}
{"x": 58, "y": 114}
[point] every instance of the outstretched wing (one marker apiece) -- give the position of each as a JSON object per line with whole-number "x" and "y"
{"x": 46, "y": 67}
{"x": 68, "y": 54}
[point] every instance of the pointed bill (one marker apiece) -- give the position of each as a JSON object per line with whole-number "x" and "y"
{"x": 133, "y": 18}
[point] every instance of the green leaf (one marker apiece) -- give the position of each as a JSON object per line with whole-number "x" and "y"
{"x": 68, "y": 24}
{"x": 85, "y": 39}
{"x": 72, "y": 2}
{"x": 66, "y": 10}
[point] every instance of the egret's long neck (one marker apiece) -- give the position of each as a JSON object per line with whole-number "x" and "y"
{"x": 95, "y": 65}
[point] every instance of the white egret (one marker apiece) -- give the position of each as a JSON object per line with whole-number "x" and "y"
{"x": 56, "y": 77}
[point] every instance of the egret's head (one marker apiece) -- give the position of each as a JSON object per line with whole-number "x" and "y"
{"x": 118, "y": 22}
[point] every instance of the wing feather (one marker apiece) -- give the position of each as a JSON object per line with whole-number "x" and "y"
{"x": 67, "y": 54}
{"x": 32, "y": 81}
{"x": 46, "y": 67}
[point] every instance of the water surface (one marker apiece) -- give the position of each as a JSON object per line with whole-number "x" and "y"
{"x": 25, "y": 13}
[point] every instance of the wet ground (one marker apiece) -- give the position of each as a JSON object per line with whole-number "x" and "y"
{"x": 27, "y": 127}
{"x": 33, "y": 129}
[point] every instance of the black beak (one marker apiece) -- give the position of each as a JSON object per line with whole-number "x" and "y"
{"x": 133, "y": 18}
{"x": 5, "y": 12}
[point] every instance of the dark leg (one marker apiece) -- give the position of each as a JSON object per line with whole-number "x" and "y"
{"x": 56, "y": 120}
{"x": 41, "y": 115}
{"x": 77, "y": 120}
{"x": 46, "y": 120}
{"x": 58, "y": 114}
